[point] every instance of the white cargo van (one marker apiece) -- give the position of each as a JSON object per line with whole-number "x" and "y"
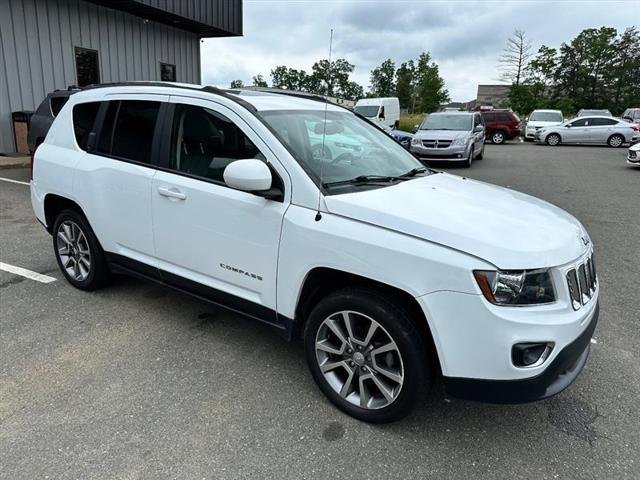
{"x": 385, "y": 111}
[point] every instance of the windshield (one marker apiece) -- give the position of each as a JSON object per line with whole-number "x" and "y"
{"x": 352, "y": 147}
{"x": 546, "y": 117}
{"x": 368, "y": 111}
{"x": 447, "y": 122}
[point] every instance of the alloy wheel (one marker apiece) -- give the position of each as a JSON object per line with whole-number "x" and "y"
{"x": 553, "y": 140}
{"x": 615, "y": 141}
{"x": 497, "y": 137}
{"x": 73, "y": 250}
{"x": 359, "y": 359}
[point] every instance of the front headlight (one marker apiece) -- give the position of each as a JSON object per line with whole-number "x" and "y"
{"x": 416, "y": 141}
{"x": 459, "y": 141}
{"x": 519, "y": 287}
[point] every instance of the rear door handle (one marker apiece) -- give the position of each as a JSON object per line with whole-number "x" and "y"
{"x": 171, "y": 193}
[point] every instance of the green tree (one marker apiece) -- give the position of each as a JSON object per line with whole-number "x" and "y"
{"x": 330, "y": 78}
{"x": 405, "y": 84}
{"x": 383, "y": 79}
{"x": 236, "y": 84}
{"x": 624, "y": 72}
{"x": 430, "y": 87}
{"x": 259, "y": 81}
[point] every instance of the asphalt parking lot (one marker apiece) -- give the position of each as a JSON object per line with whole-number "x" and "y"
{"x": 134, "y": 381}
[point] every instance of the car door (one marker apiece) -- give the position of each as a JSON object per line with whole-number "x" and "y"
{"x": 113, "y": 180}
{"x": 576, "y": 131}
{"x": 602, "y": 129}
{"x": 210, "y": 239}
{"x": 478, "y": 137}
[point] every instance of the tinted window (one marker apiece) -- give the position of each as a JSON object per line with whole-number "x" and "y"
{"x": 579, "y": 123}
{"x": 488, "y": 117}
{"x": 504, "y": 117}
{"x": 546, "y": 117}
{"x": 204, "y": 142}
{"x": 87, "y": 69}
{"x": 602, "y": 121}
{"x": 167, "y": 72}
{"x": 57, "y": 103}
{"x": 84, "y": 116}
{"x": 127, "y": 130}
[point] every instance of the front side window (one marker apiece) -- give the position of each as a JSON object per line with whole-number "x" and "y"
{"x": 488, "y": 117}
{"x": 84, "y": 116}
{"x": 580, "y": 123}
{"x": 447, "y": 122}
{"x": 204, "y": 142}
{"x": 128, "y": 128}
{"x": 343, "y": 148}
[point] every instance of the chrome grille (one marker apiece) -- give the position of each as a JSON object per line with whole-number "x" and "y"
{"x": 436, "y": 143}
{"x": 582, "y": 281}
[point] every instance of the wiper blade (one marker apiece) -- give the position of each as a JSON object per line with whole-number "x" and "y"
{"x": 364, "y": 179}
{"x": 413, "y": 172}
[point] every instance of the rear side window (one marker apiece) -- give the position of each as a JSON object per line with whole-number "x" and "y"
{"x": 84, "y": 116}
{"x": 602, "y": 122}
{"x": 127, "y": 130}
{"x": 57, "y": 103}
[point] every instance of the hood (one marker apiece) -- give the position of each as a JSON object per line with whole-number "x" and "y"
{"x": 635, "y": 148}
{"x": 534, "y": 123}
{"x": 441, "y": 134}
{"x": 509, "y": 229}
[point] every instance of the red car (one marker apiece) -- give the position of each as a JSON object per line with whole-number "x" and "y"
{"x": 501, "y": 125}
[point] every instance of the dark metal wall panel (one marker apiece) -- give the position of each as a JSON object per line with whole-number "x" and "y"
{"x": 37, "y": 40}
{"x": 221, "y": 14}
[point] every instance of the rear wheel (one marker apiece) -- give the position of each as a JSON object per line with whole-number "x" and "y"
{"x": 78, "y": 252}
{"x": 553, "y": 139}
{"x": 498, "y": 137}
{"x": 366, "y": 355}
{"x": 615, "y": 141}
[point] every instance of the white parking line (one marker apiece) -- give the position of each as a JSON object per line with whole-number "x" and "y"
{"x": 23, "y": 272}
{"x": 11, "y": 180}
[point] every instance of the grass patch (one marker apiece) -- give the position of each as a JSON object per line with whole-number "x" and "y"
{"x": 408, "y": 121}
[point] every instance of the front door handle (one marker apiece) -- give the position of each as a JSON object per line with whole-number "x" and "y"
{"x": 171, "y": 193}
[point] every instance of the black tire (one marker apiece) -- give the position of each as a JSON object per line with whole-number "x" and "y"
{"x": 615, "y": 141}
{"x": 553, "y": 139}
{"x": 466, "y": 163}
{"x": 481, "y": 155}
{"x": 498, "y": 137}
{"x": 396, "y": 322}
{"x": 98, "y": 272}
{"x": 526, "y": 139}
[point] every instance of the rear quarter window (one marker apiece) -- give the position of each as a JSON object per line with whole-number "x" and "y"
{"x": 57, "y": 103}
{"x": 84, "y": 117}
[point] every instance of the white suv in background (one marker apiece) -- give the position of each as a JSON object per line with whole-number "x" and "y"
{"x": 390, "y": 272}
{"x": 539, "y": 119}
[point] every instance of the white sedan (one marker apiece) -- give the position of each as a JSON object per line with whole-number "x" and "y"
{"x": 633, "y": 155}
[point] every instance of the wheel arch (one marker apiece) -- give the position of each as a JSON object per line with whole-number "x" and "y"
{"x": 321, "y": 281}
{"x": 624, "y": 139}
{"x": 54, "y": 204}
{"x": 552, "y": 133}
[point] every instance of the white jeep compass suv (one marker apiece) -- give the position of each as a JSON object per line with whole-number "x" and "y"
{"x": 391, "y": 273}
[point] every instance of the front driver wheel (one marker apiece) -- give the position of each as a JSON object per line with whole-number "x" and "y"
{"x": 366, "y": 355}
{"x": 553, "y": 139}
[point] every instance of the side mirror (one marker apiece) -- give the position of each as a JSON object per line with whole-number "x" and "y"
{"x": 251, "y": 176}
{"x": 568, "y": 125}
{"x": 478, "y": 129}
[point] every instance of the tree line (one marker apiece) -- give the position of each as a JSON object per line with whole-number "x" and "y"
{"x": 417, "y": 84}
{"x": 597, "y": 69}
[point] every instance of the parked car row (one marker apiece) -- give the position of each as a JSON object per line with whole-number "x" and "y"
{"x": 601, "y": 130}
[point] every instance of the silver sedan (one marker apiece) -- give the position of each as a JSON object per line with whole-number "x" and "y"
{"x": 590, "y": 130}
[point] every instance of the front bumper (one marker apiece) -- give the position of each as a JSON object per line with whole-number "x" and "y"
{"x": 453, "y": 152}
{"x": 633, "y": 160}
{"x": 557, "y": 376}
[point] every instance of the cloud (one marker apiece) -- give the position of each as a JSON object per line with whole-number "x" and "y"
{"x": 465, "y": 38}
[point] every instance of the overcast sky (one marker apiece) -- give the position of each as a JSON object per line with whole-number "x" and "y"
{"x": 465, "y": 38}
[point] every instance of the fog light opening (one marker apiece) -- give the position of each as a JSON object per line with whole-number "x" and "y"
{"x": 529, "y": 355}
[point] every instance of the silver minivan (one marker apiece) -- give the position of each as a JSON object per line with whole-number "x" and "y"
{"x": 450, "y": 136}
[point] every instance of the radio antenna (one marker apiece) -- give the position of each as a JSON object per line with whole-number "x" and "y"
{"x": 324, "y": 127}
